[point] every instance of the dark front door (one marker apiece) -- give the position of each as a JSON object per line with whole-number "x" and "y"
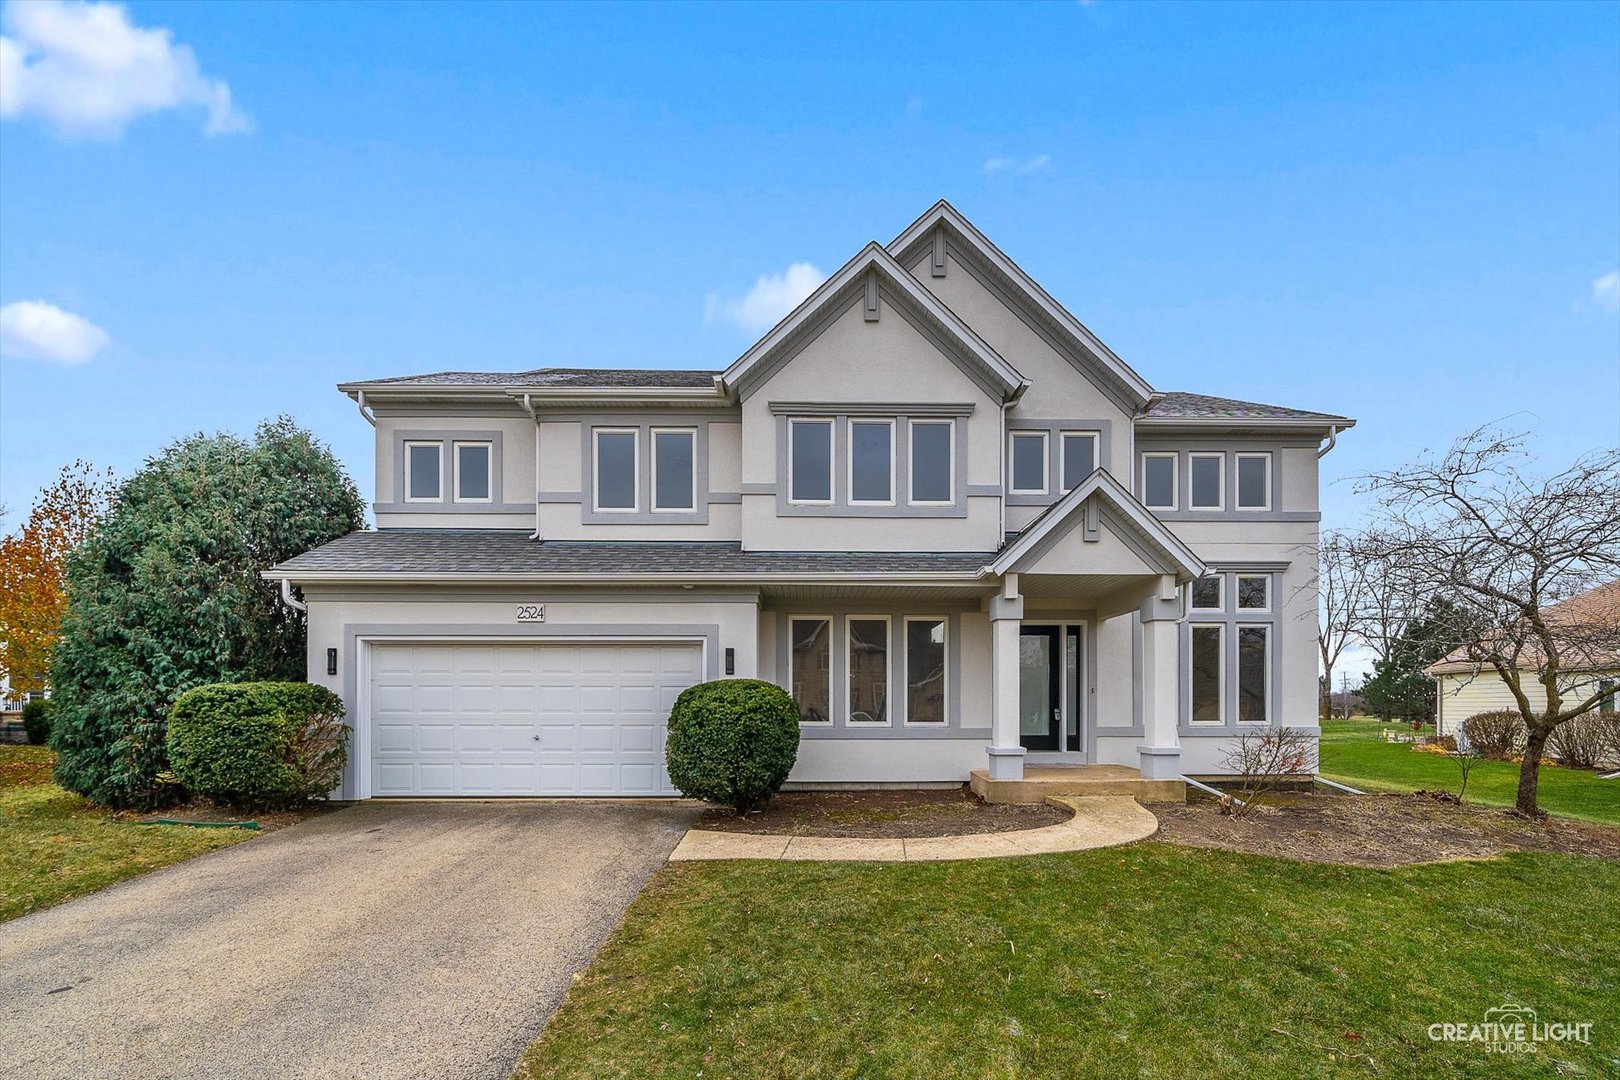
{"x": 1040, "y": 711}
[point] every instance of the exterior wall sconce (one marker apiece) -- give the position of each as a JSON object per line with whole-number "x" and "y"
{"x": 731, "y": 661}
{"x": 331, "y": 661}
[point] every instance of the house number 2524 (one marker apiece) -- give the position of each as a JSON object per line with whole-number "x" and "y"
{"x": 531, "y": 613}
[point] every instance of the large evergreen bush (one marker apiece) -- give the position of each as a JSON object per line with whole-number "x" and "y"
{"x": 732, "y": 741}
{"x": 258, "y": 744}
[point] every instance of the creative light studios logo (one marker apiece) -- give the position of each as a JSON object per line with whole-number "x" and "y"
{"x": 1512, "y": 1029}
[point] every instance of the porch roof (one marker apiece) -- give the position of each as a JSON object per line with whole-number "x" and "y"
{"x": 1101, "y": 503}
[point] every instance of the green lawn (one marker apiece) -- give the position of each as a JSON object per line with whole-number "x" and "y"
{"x": 1354, "y": 753}
{"x": 54, "y": 846}
{"x": 1147, "y": 961}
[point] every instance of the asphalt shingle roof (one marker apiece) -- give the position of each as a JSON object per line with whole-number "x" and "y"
{"x": 539, "y": 377}
{"x": 1181, "y": 405}
{"x": 471, "y": 551}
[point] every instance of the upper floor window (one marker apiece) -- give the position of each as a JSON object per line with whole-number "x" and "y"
{"x": 1207, "y": 480}
{"x": 1028, "y": 462}
{"x": 1159, "y": 481}
{"x": 424, "y": 468}
{"x": 1254, "y": 481}
{"x": 674, "y": 473}
{"x": 472, "y": 471}
{"x": 933, "y": 462}
{"x": 810, "y": 478}
{"x": 871, "y": 462}
{"x": 1206, "y": 593}
{"x": 1079, "y": 457}
{"x": 616, "y": 477}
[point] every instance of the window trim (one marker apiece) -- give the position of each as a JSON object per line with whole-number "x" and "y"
{"x": 1063, "y": 458}
{"x": 1237, "y": 674}
{"x": 832, "y": 460}
{"x": 832, "y": 630}
{"x": 1220, "y": 480}
{"x": 945, "y": 671}
{"x": 1174, "y": 458}
{"x": 1237, "y": 594}
{"x": 849, "y": 465}
{"x": 1220, "y": 603}
{"x": 652, "y": 467}
{"x": 912, "y": 424}
{"x": 1220, "y": 675}
{"x": 456, "y": 446}
{"x": 1237, "y": 483}
{"x": 1012, "y": 462}
{"x": 438, "y": 446}
{"x": 596, "y": 470}
{"x": 888, "y": 672}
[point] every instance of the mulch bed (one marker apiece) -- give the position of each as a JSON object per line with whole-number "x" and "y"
{"x": 883, "y": 814}
{"x": 1379, "y": 830}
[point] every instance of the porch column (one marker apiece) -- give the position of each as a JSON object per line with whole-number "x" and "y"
{"x": 1160, "y": 751}
{"x": 1006, "y": 611}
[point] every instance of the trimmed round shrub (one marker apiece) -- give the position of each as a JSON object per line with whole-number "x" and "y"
{"x": 36, "y": 721}
{"x": 1498, "y": 735}
{"x": 258, "y": 744}
{"x": 732, "y": 742}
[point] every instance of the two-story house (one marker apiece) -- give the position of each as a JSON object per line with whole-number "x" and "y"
{"x": 929, "y": 502}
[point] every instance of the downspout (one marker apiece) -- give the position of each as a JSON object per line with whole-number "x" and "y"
{"x": 1001, "y": 535}
{"x": 1322, "y": 451}
{"x": 360, "y": 400}
{"x": 528, "y": 407}
{"x": 290, "y": 600}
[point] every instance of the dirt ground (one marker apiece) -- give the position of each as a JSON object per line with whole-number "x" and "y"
{"x": 954, "y": 812}
{"x": 1378, "y": 830}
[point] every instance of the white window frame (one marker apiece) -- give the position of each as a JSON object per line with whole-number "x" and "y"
{"x": 832, "y": 628}
{"x": 849, "y": 465}
{"x": 945, "y": 671}
{"x": 438, "y": 446}
{"x": 849, "y": 669}
{"x": 1220, "y": 480}
{"x": 911, "y": 456}
{"x": 1063, "y": 458}
{"x": 832, "y": 460}
{"x": 489, "y": 463}
{"x": 635, "y": 470}
{"x": 1237, "y": 672}
{"x": 652, "y": 465}
{"x": 1175, "y": 478}
{"x": 1237, "y": 593}
{"x": 1012, "y": 463}
{"x": 1220, "y": 604}
{"x": 1237, "y": 471}
{"x": 1220, "y": 675}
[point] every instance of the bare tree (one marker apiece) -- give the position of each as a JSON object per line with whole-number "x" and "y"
{"x": 1340, "y": 582}
{"x": 1510, "y": 550}
{"x": 1263, "y": 760}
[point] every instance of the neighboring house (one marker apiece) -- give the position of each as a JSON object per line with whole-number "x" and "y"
{"x": 959, "y": 528}
{"x": 1464, "y": 688}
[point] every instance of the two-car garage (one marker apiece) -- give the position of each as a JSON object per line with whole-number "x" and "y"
{"x": 496, "y": 719}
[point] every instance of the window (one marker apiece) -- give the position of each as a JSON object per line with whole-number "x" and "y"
{"x": 1206, "y": 593}
{"x": 1207, "y": 698}
{"x": 674, "y": 477}
{"x": 423, "y": 465}
{"x": 1254, "y": 592}
{"x": 615, "y": 469}
{"x": 472, "y": 472}
{"x": 1029, "y": 463}
{"x": 1079, "y": 457}
{"x": 810, "y": 461}
{"x": 1252, "y": 663}
{"x": 810, "y": 667}
{"x": 1207, "y": 482}
{"x": 933, "y": 462}
{"x": 1159, "y": 481}
{"x": 871, "y": 462}
{"x": 868, "y": 669}
{"x": 1254, "y": 481}
{"x": 925, "y": 671}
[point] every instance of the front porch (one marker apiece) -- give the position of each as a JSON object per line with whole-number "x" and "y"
{"x": 1040, "y": 781}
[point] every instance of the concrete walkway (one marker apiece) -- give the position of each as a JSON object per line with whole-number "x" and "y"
{"x": 1099, "y": 821}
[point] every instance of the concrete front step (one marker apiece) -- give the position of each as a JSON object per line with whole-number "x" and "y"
{"x": 1040, "y": 781}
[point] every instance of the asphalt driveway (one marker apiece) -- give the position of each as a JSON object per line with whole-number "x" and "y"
{"x": 384, "y": 940}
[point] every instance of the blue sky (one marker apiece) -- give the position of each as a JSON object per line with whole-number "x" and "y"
{"x": 1406, "y": 213}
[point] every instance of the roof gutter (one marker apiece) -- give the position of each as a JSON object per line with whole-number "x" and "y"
{"x": 970, "y": 577}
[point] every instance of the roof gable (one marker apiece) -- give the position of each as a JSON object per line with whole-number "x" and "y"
{"x": 1098, "y": 504}
{"x": 874, "y": 271}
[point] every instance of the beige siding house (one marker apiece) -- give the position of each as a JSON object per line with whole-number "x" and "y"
{"x": 965, "y": 535}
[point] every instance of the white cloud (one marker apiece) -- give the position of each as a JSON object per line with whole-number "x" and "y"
{"x": 36, "y": 330}
{"x": 1606, "y": 291}
{"x": 1011, "y": 166}
{"x": 773, "y": 296}
{"x": 85, "y": 69}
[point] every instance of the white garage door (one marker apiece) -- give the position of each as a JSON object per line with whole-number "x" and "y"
{"x": 524, "y": 719}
